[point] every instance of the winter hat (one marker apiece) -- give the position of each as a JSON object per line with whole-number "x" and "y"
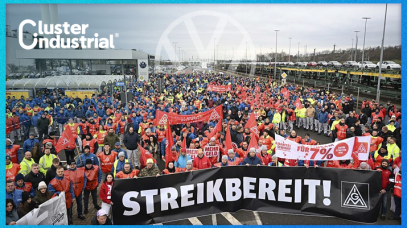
{"x": 101, "y": 212}
{"x": 189, "y": 162}
{"x": 19, "y": 177}
{"x": 363, "y": 165}
{"x": 150, "y": 160}
{"x": 88, "y": 161}
{"x": 25, "y": 196}
{"x": 252, "y": 149}
{"x": 225, "y": 157}
{"x": 8, "y": 157}
{"x": 11, "y": 142}
{"x": 230, "y": 151}
{"x": 86, "y": 147}
{"x": 42, "y": 185}
{"x": 52, "y": 133}
{"x": 121, "y": 154}
{"x": 183, "y": 150}
{"x": 274, "y": 156}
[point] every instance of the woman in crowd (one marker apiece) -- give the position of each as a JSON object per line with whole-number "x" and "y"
{"x": 11, "y": 213}
{"x": 105, "y": 193}
{"x": 42, "y": 194}
{"x": 26, "y": 205}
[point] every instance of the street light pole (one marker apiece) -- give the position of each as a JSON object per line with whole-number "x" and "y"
{"x": 381, "y": 59}
{"x": 179, "y": 56}
{"x": 363, "y": 50}
{"x": 214, "y": 59}
{"x": 289, "y": 51}
{"x": 351, "y": 50}
{"x": 298, "y": 55}
{"x": 275, "y": 58}
{"x": 246, "y": 57}
{"x": 356, "y": 46}
{"x": 175, "y": 48}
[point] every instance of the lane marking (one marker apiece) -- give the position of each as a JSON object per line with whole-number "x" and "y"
{"x": 257, "y": 217}
{"x": 195, "y": 221}
{"x": 214, "y": 221}
{"x": 231, "y": 218}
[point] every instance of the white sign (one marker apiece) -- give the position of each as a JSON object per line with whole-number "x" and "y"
{"x": 51, "y": 212}
{"x": 341, "y": 150}
{"x": 142, "y": 71}
{"x": 284, "y": 75}
{"x": 209, "y": 151}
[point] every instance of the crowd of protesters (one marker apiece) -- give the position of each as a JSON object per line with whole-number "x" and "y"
{"x": 109, "y": 134}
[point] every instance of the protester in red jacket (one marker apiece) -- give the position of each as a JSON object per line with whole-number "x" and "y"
{"x": 105, "y": 193}
{"x": 201, "y": 161}
{"x": 386, "y": 176}
{"x": 265, "y": 158}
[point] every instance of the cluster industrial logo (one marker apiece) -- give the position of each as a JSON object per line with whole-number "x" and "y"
{"x": 55, "y": 30}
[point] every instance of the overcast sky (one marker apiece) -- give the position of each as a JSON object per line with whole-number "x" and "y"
{"x": 141, "y": 26}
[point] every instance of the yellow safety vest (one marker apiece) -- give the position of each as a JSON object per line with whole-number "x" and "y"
{"x": 394, "y": 150}
{"x": 302, "y": 113}
{"x": 46, "y": 162}
{"x": 276, "y": 118}
{"x": 391, "y": 127}
{"x": 334, "y": 124}
{"x": 25, "y": 166}
{"x": 115, "y": 166}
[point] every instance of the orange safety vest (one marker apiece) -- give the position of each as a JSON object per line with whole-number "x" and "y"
{"x": 132, "y": 174}
{"x": 397, "y": 185}
{"x": 16, "y": 122}
{"x": 107, "y": 161}
{"x": 83, "y": 127}
{"x": 100, "y": 136}
{"x": 90, "y": 143}
{"x": 177, "y": 170}
{"x": 237, "y": 161}
{"x": 12, "y": 172}
{"x": 93, "y": 128}
{"x": 267, "y": 141}
{"x": 63, "y": 185}
{"x": 74, "y": 130}
{"x": 122, "y": 125}
{"x": 92, "y": 178}
{"x": 341, "y": 131}
{"x": 13, "y": 153}
{"x": 27, "y": 187}
{"x": 77, "y": 178}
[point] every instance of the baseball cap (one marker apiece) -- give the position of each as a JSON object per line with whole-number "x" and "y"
{"x": 101, "y": 212}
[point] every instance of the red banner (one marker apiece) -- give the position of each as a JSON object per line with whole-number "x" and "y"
{"x": 219, "y": 89}
{"x": 164, "y": 117}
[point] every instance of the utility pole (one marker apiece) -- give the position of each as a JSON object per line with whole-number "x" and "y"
{"x": 381, "y": 59}
{"x": 314, "y": 54}
{"x": 275, "y": 56}
{"x": 363, "y": 51}
{"x": 246, "y": 57}
{"x": 298, "y": 55}
{"x": 351, "y": 50}
{"x": 334, "y": 52}
{"x": 214, "y": 60}
{"x": 175, "y": 48}
{"x": 356, "y": 46}
{"x": 289, "y": 51}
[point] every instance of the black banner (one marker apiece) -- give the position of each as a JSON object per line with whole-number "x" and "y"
{"x": 344, "y": 193}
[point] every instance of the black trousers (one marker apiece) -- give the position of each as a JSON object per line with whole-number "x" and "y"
{"x": 70, "y": 156}
{"x": 42, "y": 132}
{"x": 94, "y": 193}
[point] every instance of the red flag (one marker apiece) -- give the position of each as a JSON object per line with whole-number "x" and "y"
{"x": 268, "y": 91}
{"x": 285, "y": 93}
{"x": 144, "y": 155}
{"x": 217, "y": 129}
{"x": 228, "y": 140}
{"x": 370, "y": 162}
{"x": 298, "y": 104}
{"x": 168, "y": 144}
{"x": 65, "y": 141}
{"x": 253, "y": 143}
{"x": 252, "y": 125}
{"x": 184, "y": 143}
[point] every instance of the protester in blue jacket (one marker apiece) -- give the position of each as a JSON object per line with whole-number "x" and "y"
{"x": 252, "y": 159}
{"x": 182, "y": 159}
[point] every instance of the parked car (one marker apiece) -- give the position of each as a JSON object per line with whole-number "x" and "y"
{"x": 350, "y": 64}
{"x": 291, "y": 64}
{"x": 312, "y": 64}
{"x": 335, "y": 64}
{"x": 302, "y": 64}
{"x": 366, "y": 65}
{"x": 389, "y": 65}
{"x": 322, "y": 63}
